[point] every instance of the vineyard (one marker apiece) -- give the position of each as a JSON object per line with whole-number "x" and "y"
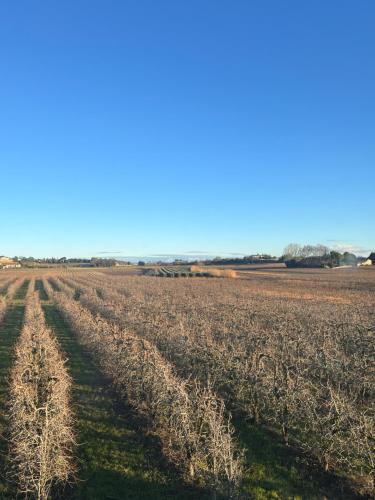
{"x": 116, "y": 385}
{"x": 189, "y": 272}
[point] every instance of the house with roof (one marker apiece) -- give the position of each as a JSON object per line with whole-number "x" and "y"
{"x": 8, "y": 263}
{"x": 370, "y": 261}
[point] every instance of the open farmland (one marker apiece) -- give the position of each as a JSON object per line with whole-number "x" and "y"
{"x": 259, "y": 386}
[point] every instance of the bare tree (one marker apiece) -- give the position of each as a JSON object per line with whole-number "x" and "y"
{"x": 292, "y": 250}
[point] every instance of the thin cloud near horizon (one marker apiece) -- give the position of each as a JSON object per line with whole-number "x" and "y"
{"x": 342, "y": 246}
{"x": 104, "y": 252}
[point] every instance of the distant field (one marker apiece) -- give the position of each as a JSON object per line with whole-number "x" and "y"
{"x": 255, "y": 387}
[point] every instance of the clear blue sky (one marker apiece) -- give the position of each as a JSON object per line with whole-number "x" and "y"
{"x": 149, "y": 127}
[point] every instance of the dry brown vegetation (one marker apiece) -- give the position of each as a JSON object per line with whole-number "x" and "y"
{"x": 41, "y": 436}
{"x": 13, "y": 287}
{"x": 288, "y": 350}
{"x": 189, "y": 419}
{"x": 303, "y": 367}
{"x": 214, "y": 272}
{"x": 3, "y": 306}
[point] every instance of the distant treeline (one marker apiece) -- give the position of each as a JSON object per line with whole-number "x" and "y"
{"x": 221, "y": 261}
{"x": 93, "y": 262}
{"x": 52, "y": 260}
{"x": 296, "y": 255}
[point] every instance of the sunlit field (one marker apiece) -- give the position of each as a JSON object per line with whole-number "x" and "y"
{"x": 121, "y": 383}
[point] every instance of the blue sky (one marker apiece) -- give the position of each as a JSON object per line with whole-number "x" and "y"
{"x": 166, "y": 127}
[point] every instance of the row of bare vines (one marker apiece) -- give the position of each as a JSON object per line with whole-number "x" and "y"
{"x": 41, "y": 427}
{"x": 307, "y": 372}
{"x": 190, "y": 421}
{"x": 3, "y": 306}
{"x": 13, "y": 287}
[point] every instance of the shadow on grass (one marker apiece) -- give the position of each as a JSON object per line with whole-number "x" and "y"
{"x": 21, "y": 292}
{"x": 39, "y": 287}
{"x": 10, "y": 328}
{"x": 116, "y": 459}
{"x": 3, "y": 289}
{"x": 278, "y": 471}
{"x": 53, "y": 285}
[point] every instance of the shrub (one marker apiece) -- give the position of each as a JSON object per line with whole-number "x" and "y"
{"x": 214, "y": 272}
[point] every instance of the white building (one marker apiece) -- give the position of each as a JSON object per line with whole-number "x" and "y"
{"x": 8, "y": 263}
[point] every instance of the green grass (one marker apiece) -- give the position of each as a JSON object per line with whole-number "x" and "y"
{"x": 116, "y": 459}
{"x": 278, "y": 472}
{"x": 53, "y": 285}
{"x": 21, "y": 292}
{"x": 9, "y": 330}
{"x": 39, "y": 287}
{"x": 4, "y": 288}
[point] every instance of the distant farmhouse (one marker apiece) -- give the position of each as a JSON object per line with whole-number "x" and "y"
{"x": 8, "y": 263}
{"x": 370, "y": 261}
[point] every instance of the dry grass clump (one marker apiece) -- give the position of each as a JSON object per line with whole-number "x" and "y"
{"x": 3, "y": 306}
{"x": 30, "y": 290}
{"x": 13, "y": 287}
{"x": 190, "y": 421}
{"x": 214, "y": 272}
{"x": 4, "y": 284}
{"x": 41, "y": 435}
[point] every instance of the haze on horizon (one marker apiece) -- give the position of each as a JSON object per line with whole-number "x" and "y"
{"x": 214, "y": 128}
